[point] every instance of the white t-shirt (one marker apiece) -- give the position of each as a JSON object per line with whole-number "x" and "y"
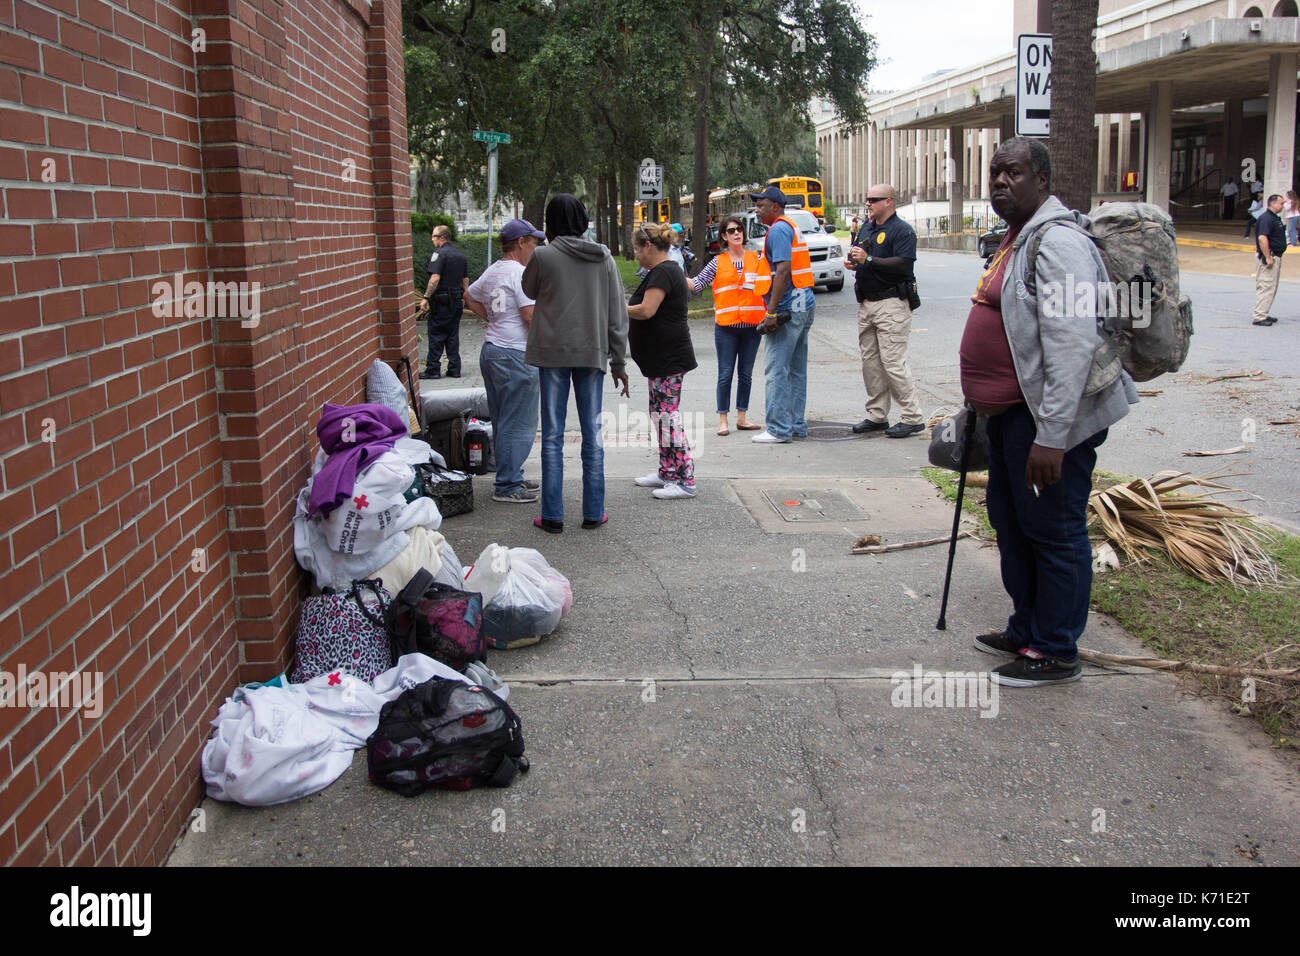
{"x": 1229, "y": 188}
{"x": 499, "y": 290}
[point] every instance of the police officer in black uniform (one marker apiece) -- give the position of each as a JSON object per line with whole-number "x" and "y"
{"x": 444, "y": 300}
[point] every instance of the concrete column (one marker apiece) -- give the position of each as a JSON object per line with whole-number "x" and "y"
{"x": 1103, "y": 153}
{"x": 1160, "y": 123}
{"x": 956, "y": 173}
{"x": 853, "y": 168}
{"x": 1124, "y": 153}
{"x": 923, "y": 164}
{"x": 1008, "y": 128}
{"x": 1231, "y": 164}
{"x": 986, "y": 157}
{"x": 893, "y": 158}
{"x": 1279, "y": 150}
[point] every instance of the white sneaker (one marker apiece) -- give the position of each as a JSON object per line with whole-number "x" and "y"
{"x": 673, "y": 490}
{"x": 765, "y": 437}
{"x": 651, "y": 480}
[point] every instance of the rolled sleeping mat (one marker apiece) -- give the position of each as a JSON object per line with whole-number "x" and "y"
{"x": 444, "y": 403}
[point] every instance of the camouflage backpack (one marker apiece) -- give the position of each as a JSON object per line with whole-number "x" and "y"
{"x": 1138, "y": 245}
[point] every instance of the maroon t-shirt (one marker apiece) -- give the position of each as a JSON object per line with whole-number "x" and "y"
{"x": 988, "y": 375}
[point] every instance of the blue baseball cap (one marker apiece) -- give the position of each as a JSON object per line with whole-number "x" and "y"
{"x": 772, "y": 193}
{"x": 516, "y": 228}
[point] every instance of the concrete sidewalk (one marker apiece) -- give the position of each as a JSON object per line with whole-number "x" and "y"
{"x": 721, "y": 693}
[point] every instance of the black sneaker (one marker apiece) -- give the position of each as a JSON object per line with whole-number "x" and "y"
{"x": 1031, "y": 669}
{"x": 532, "y": 485}
{"x": 902, "y": 430}
{"x": 867, "y": 425}
{"x": 996, "y": 643}
{"x": 430, "y": 374}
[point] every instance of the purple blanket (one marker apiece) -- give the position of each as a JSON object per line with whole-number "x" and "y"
{"x": 353, "y": 436}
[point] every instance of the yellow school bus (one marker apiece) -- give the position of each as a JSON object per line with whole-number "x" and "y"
{"x": 801, "y": 191}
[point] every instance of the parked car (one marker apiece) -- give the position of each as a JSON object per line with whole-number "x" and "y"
{"x": 824, "y": 249}
{"x": 989, "y": 241}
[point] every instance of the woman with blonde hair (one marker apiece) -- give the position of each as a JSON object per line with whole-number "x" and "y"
{"x": 659, "y": 339}
{"x": 737, "y": 312}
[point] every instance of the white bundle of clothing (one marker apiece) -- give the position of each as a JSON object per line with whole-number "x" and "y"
{"x": 370, "y": 529}
{"x": 276, "y": 744}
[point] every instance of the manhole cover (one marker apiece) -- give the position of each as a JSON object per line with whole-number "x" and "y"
{"x": 812, "y": 504}
{"x": 832, "y": 431}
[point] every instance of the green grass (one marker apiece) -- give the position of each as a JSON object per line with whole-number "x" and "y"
{"x": 700, "y": 307}
{"x": 1183, "y": 618}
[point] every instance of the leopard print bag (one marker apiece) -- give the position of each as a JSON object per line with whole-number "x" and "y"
{"x": 343, "y": 632}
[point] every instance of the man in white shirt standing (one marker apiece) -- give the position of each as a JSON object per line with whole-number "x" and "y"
{"x": 513, "y": 387}
{"x": 1229, "y": 192}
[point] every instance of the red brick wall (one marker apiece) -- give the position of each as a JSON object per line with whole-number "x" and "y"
{"x": 173, "y": 434}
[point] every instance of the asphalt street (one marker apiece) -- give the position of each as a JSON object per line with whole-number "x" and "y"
{"x": 732, "y": 686}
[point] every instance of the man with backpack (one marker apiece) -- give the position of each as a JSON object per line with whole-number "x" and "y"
{"x": 1027, "y": 361}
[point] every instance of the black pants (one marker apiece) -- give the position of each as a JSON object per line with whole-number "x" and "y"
{"x": 1229, "y": 207}
{"x": 444, "y": 333}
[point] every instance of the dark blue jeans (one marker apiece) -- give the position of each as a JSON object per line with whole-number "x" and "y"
{"x": 444, "y": 333}
{"x": 737, "y": 347}
{"x": 1043, "y": 539}
{"x": 587, "y": 386}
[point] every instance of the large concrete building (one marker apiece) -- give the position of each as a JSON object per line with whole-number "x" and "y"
{"x": 1190, "y": 93}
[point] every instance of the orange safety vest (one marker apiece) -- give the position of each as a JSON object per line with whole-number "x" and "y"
{"x": 732, "y": 304}
{"x": 801, "y": 275}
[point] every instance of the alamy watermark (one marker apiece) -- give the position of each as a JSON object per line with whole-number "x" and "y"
{"x": 177, "y": 299}
{"x": 948, "y": 689}
{"x": 1097, "y": 300}
{"x": 628, "y": 428}
{"x": 67, "y": 690}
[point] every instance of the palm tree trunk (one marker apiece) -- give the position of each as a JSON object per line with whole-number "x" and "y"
{"x": 1073, "y": 143}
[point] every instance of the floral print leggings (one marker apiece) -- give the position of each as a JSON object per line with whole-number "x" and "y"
{"x": 675, "y": 464}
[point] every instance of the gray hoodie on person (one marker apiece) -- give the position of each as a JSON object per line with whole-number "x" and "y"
{"x": 580, "y": 316}
{"x": 1055, "y": 354}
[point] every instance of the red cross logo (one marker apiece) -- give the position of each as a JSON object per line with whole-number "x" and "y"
{"x": 335, "y": 679}
{"x": 361, "y": 502}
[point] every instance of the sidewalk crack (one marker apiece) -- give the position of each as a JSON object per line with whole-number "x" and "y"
{"x": 672, "y": 607}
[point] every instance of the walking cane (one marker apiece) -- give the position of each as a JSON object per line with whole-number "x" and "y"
{"x": 967, "y": 440}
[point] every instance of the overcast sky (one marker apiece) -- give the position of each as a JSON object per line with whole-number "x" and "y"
{"x": 918, "y": 37}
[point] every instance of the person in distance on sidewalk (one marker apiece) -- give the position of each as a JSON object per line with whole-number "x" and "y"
{"x": 660, "y": 341}
{"x": 1271, "y": 243}
{"x": 1027, "y": 368}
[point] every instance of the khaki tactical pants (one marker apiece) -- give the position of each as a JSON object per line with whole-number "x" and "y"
{"x": 884, "y": 328}
{"x": 1266, "y": 287}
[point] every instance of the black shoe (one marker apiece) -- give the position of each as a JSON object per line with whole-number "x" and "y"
{"x": 453, "y": 374}
{"x": 589, "y": 524}
{"x": 554, "y": 527}
{"x": 867, "y": 425}
{"x": 532, "y": 485}
{"x": 902, "y": 430}
{"x": 429, "y": 375}
{"x": 1271, "y": 321}
{"x": 1030, "y": 671}
{"x": 996, "y": 643}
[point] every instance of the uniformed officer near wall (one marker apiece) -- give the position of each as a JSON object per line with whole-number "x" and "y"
{"x": 444, "y": 301}
{"x": 883, "y": 257}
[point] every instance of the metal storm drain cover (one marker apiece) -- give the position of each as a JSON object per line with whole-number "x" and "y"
{"x": 812, "y": 504}
{"x": 831, "y": 431}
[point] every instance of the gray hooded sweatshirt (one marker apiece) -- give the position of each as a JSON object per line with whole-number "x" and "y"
{"x": 580, "y": 316}
{"x": 1053, "y": 354}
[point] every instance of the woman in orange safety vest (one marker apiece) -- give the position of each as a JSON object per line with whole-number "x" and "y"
{"x": 737, "y": 311}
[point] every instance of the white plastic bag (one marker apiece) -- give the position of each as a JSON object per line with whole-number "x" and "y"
{"x": 529, "y": 603}
{"x": 488, "y": 573}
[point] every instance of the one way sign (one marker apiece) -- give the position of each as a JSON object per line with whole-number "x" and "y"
{"x": 652, "y": 181}
{"x": 1034, "y": 84}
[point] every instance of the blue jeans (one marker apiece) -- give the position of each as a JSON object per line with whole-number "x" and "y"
{"x": 1291, "y": 239}
{"x": 513, "y": 394}
{"x": 785, "y": 368}
{"x": 1043, "y": 539}
{"x": 736, "y": 345}
{"x": 587, "y": 386}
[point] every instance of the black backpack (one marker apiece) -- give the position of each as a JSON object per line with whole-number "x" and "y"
{"x": 448, "y": 735}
